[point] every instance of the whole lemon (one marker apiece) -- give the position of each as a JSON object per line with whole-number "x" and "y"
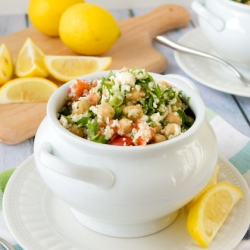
{"x": 45, "y": 14}
{"x": 88, "y": 29}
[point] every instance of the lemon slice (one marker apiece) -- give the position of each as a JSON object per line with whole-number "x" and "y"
{"x": 30, "y": 61}
{"x": 66, "y": 68}
{"x": 209, "y": 212}
{"x": 211, "y": 182}
{"x": 6, "y": 64}
{"x": 30, "y": 89}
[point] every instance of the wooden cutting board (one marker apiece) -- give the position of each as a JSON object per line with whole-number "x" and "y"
{"x": 134, "y": 48}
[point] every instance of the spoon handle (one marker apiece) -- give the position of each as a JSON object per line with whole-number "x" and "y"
{"x": 6, "y": 245}
{"x": 165, "y": 41}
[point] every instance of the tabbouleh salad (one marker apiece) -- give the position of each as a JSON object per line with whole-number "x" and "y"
{"x": 126, "y": 108}
{"x": 242, "y": 1}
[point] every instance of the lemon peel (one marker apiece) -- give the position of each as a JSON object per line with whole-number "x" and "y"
{"x": 66, "y": 68}
{"x": 88, "y": 29}
{"x": 6, "y": 64}
{"x": 210, "y": 211}
{"x": 30, "y": 89}
{"x": 45, "y": 14}
{"x": 30, "y": 61}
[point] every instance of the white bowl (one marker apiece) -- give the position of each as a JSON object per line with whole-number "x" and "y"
{"x": 225, "y": 24}
{"x": 126, "y": 191}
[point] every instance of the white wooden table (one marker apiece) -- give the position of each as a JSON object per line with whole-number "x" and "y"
{"x": 234, "y": 109}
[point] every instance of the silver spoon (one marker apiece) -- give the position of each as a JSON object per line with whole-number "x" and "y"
{"x": 6, "y": 244}
{"x": 165, "y": 41}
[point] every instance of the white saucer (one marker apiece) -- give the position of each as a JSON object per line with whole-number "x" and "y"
{"x": 39, "y": 220}
{"x": 206, "y": 71}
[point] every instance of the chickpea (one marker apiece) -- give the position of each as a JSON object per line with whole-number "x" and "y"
{"x": 178, "y": 104}
{"x": 171, "y": 129}
{"x": 105, "y": 111}
{"x": 157, "y": 128}
{"x": 125, "y": 126}
{"x": 75, "y": 130}
{"x": 173, "y": 118}
{"x": 135, "y": 94}
{"x": 82, "y": 107}
{"x": 164, "y": 83}
{"x": 133, "y": 112}
{"x": 159, "y": 138}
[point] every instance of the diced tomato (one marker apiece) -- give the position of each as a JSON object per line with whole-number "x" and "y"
{"x": 122, "y": 141}
{"x": 94, "y": 98}
{"x": 141, "y": 141}
{"x": 152, "y": 131}
{"x": 137, "y": 124}
{"x": 77, "y": 90}
{"x": 94, "y": 84}
{"x": 115, "y": 128}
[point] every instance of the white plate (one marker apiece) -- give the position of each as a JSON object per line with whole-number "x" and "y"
{"x": 206, "y": 71}
{"x": 39, "y": 220}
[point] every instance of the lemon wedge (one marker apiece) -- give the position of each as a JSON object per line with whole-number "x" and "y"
{"x": 30, "y": 89}
{"x": 30, "y": 61}
{"x": 211, "y": 182}
{"x": 211, "y": 209}
{"x": 66, "y": 68}
{"x": 6, "y": 64}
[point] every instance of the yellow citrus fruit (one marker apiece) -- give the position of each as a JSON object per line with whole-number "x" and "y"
{"x": 30, "y": 89}
{"x": 211, "y": 182}
{"x": 88, "y": 29}
{"x": 6, "y": 64}
{"x": 209, "y": 212}
{"x": 66, "y": 68}
{"x": 45, "y": 14}
{"x": 30, "y": 61}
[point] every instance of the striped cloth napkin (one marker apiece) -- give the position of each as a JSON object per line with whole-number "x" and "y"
{"x": 238, "y": 153}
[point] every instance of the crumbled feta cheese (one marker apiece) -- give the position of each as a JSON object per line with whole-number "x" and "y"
{"x": 162, "y": 108}
{"x": 93, "y": 109}
{"x": 76, "y": 117}
{"x": 144, "y": 132}
{"x": 156, "y": 117}
{"x": 75, "y": 105}
{"x": 125, "y": 88}
{"x": 140, "y": 73}
{"x": 151, "y": 85}
{"x": 64, "y": 122}
{"x": 173, "y": 101}
{"x": 115, "y": 123}
{"x": 125, "y": 77}
{"x": 138, "y": 87}
{"x": 108, "y": 132}
{"x": 133, "y": 112}
{"x": 72, "y": 91}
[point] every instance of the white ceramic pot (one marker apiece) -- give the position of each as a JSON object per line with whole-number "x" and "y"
{"x": 226, "y": 25}
{"x": 126, "y": 191}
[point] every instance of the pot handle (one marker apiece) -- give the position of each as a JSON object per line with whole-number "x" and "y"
{"x": 100, "y": 177}
{"x": 216, "y": 22}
